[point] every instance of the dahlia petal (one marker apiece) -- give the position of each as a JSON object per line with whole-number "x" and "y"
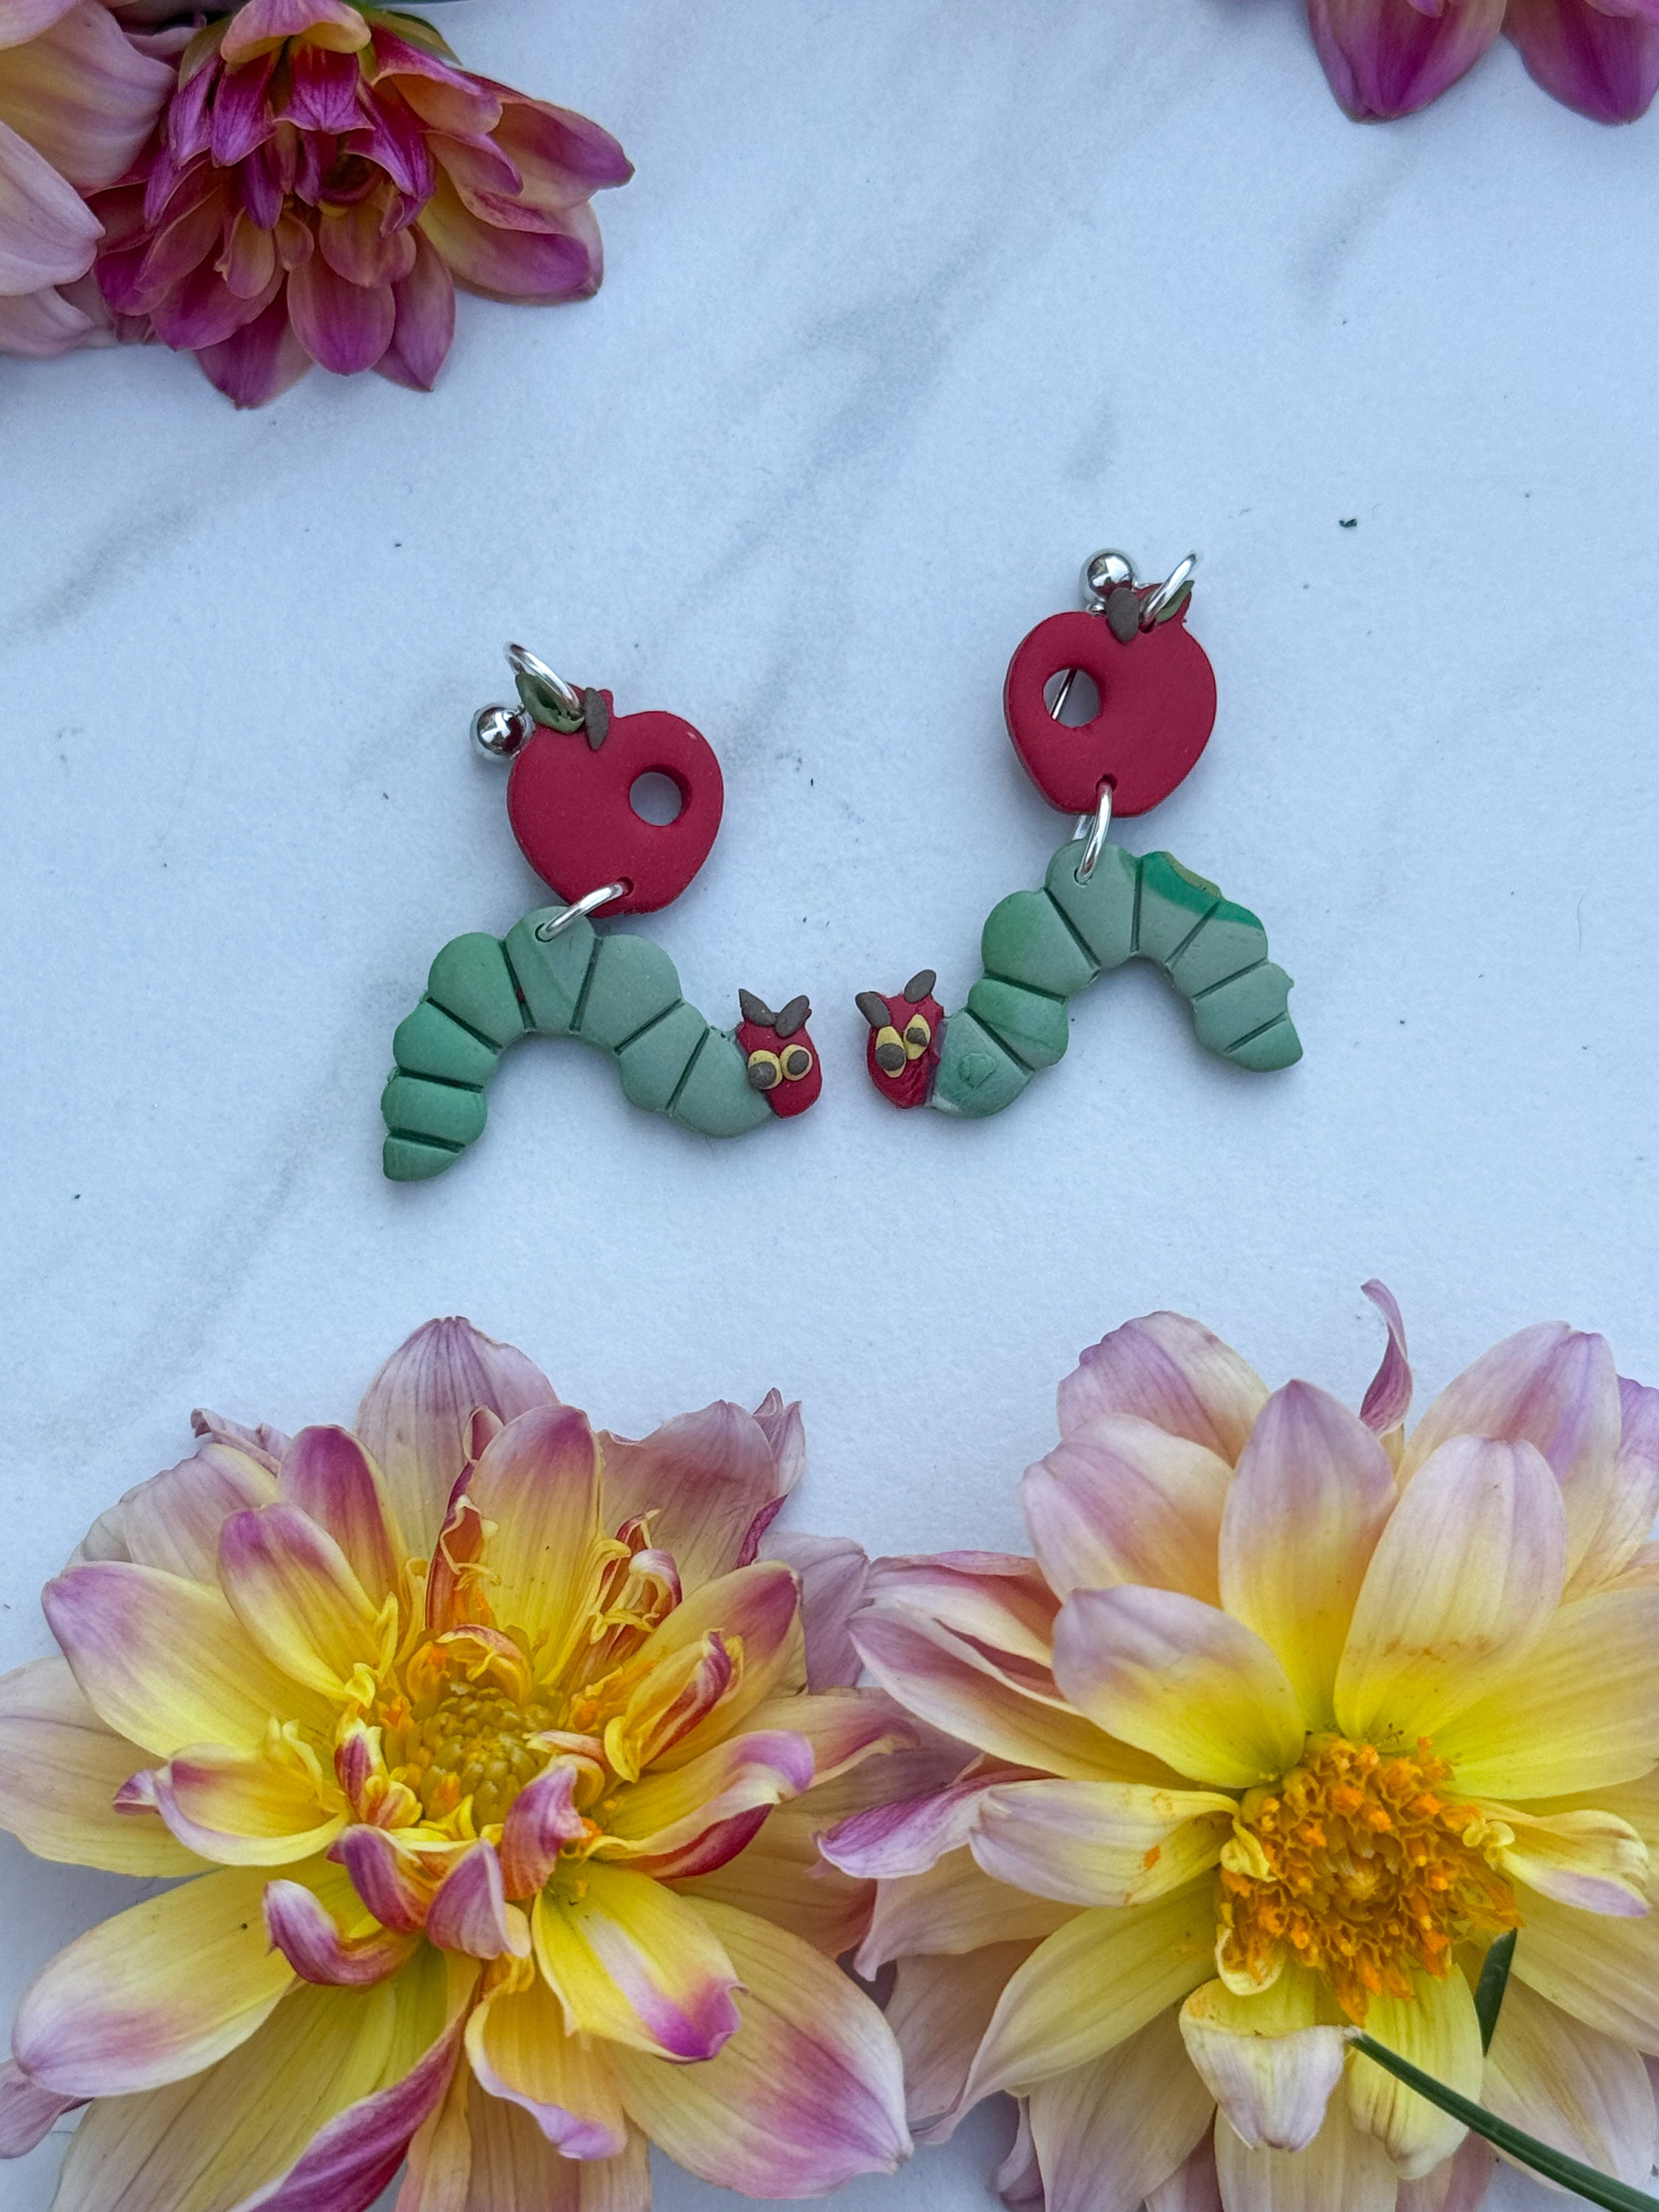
{"x": 1340, "y": 2166}
{"x": 1182, "y": 1680}
{"x": 703, "y": 1475}
{"x": 425, "y": 328}
{"x": 1459, "y": 1591}
{"x": 263, "y": 1808}
{"x": 843, "y": 1728}
{"x": 1110, "y": 2133}
{"x": 262, "y": 26}
{"x": 384, "y": 1877}
{"x": 1589, "y": 1858}
{"x": 1584, "y": 2092}
{"x": 1389, "y": 1399}
{"x": 414, "y": 1416}
{"x": 262, "y": 1442}
{"x": 518, "y": 2047}
{"x": 1171, "y": 1372}
{"x": 469, "y": 1912}
{"x": 356, "y": 246}
{"x": 327, "y": 1474}
{"x": 1120, "y": 1500}
{"x": 939, "y": 2009}
{"x": 343, "y": 327}
{"x": 40, "y": 326}
{"x": 157, "y": 1992}
{"x": 833, "y": 1572}
{"x": 359, "y": 2071}
{"x": 659, "y": 1815}
{"x": 443, "y": 96}
{"x": 259, "y": 362}
{"x": 48, "y": 234}
{"x": 28, "y": 2114}
{"x": 1582, "y": 1710}
{"x": 1436, "y": 2030}
{"x": 1549, "y": 1385}
{"x": 84, "y": 96}
{"x": 309, "y": 1938}
{"x": 1389, "y": 58}
{"x": 1629, "y": 1502}
{"x": 1268, "y": 2064}
{"x": 167, "y": 1662}
{"x": 540, "y": 267}
{"x": 241, "y": 118}
{"x": 956, "y": 1906}
{"x": 1099, "y": 1843}
{"x": 173, "y": 1521}
{"x": 515, "y": 2168}
{"x": 204, "y": 312}
{"x": 907, "y": 1836}
{"x": 485, "y": 176}
{"x": 442, "y": 2158}
{"x": 292, "y": 1588}
{"x": 781, "y": 1878}
{"x": 193, "y": 234}
{"x": 323, "y": 87}
{"x": 23, "y": 20}
{"x": 562, "y": 156}
{"x": 1018, "y": 2180}
{"x": 945, "y": 1680}
{"x": 997, "y": 1599}
{"x": 1092, "y": 1985}
{"x": 1192, "y": 2187}
{"x": 634, "y": 1964}
{"x": 757, "y": 1609}
{"x": 538, "y": 1480}
{"x": 60, "y": 1768}
{"x": 1313, "y": 1490}
{"x": 1602, "y": 62}
{"x": 393, "y": 140}
{"x": 806, "y": 2095}
{"x": 1604, "y": 1971}
{"x": 1460, "y": 2184}
{"x": 540, "y": 1822}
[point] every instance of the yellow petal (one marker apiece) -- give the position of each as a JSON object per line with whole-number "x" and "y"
{"x": 1460, "y": 1588}
{"x": 782, "y": 1877}
{"x": 1312, "y": 1494}
{"x": 953, "y": 1907}
{"x": 519, "y": 2049}
{"x": 1582, "y": 1710}
{"x": 1091, "y": 1984}
{"x": 1099, "y": 1843}
{"x": 1269, "y": 2061}
{"x": 634, "y": 1963}
{"x": 1341, "y": 2170}
{"x": 60, "y": 1768}
{"x": 1120, "y": 1500}
{"x": 1590, "y": 1858}
{"x": 1603, "y": 1970}
{"x": 294, "y": 1591}
{"x": 1438, "y": 2032}
{"x": 539, "y": 1481}
{"x": 263, "y": 1808}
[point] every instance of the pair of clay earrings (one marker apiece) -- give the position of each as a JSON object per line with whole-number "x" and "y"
{"x": 1108, "y": 708}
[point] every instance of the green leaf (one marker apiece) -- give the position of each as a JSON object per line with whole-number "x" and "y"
{"x": 1543, "y": 2158}
{"x": 1489, "y": 1990}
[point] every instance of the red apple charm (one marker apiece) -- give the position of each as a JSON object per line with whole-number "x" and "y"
{"x": 569, "y": 804}
{"x": 1156, "y": 710}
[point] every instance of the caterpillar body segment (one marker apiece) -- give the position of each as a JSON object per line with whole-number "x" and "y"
{"x": 1040, "y": 947}
{"x": 620, "y": 994}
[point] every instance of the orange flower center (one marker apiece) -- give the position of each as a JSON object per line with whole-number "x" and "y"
{"x": 468, "y": 1739}
{"x": 1360, "y": 1865}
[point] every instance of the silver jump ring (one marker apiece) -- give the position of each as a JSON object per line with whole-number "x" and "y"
{"x": 1164, "y": 595}
{"x": 1099, "y": 824}
{"x": 578, "y": 908}
{"x": 523, "y": 662}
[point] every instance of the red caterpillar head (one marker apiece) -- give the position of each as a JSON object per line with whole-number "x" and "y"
{"x": 782, "y": 1061}
{"x": 905, "y": 1033}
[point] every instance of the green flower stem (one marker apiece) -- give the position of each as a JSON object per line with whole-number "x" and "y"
{"x": 1542, "y": 2157}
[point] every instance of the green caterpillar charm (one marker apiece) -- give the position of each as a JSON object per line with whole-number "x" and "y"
{"x": 555, "y": 977}
{"x": 1040, "y": 947}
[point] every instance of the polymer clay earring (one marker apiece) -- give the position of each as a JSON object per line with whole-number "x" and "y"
{"x": 575, "y": 764}
{"x": 1099, "y": 905}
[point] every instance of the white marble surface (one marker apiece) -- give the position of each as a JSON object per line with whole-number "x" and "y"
{"x": 913, "y": 303}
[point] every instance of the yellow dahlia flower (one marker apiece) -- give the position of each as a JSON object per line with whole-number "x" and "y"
{"x": 1289, "y": 1718}
{"x": 489, "y": 1748}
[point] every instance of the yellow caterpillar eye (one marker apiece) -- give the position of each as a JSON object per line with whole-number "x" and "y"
{"x": 795, "y": 1061}
{"x": 765, "y": 1070}
{"x": 891, "y": 1052}
{"x": 918, "y": 1036}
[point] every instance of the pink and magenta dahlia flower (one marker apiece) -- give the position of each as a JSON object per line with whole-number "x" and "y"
{"x": 1292, "y": 1716}
{"x": 324, "y": 178}
{"x": 492, "y": 1752}
{"x": 1389, "y": 58}
{"x": 77, "y": 103}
